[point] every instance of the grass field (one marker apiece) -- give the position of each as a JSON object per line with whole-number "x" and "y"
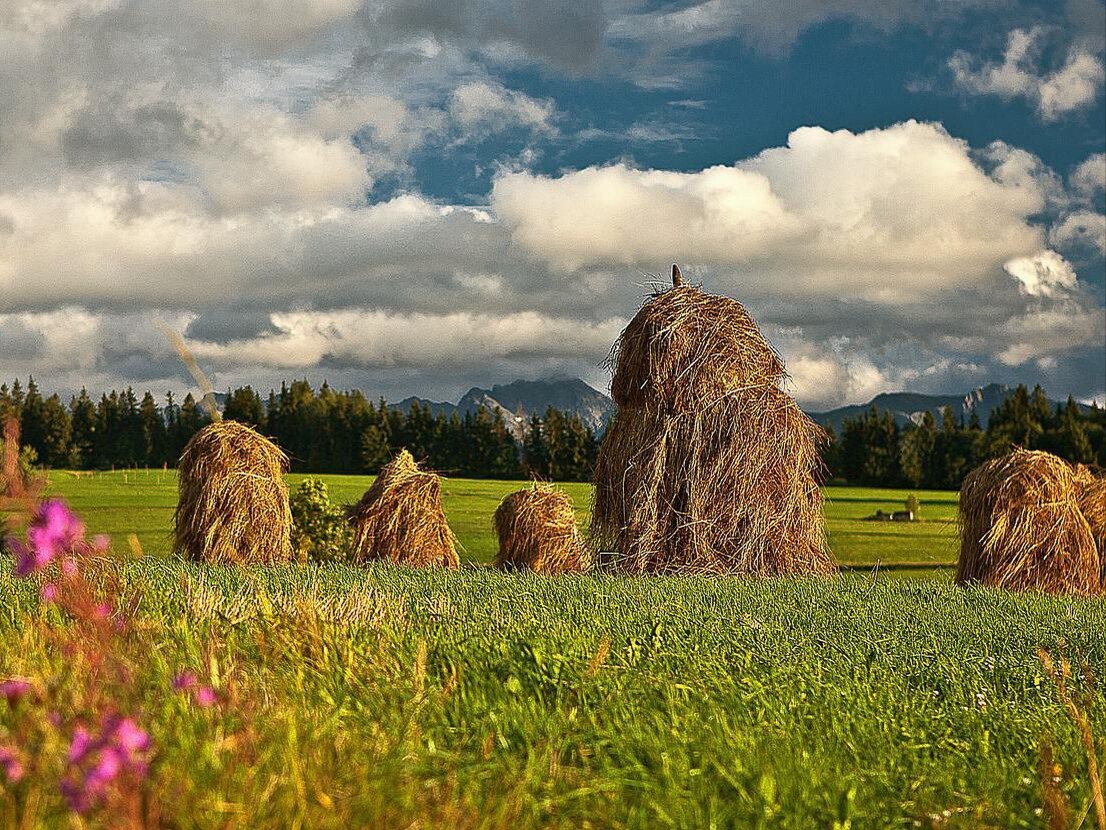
{"x": 390, "y": 697}
{"x": 384, "y": 697}
{"x": 141, "y": 502}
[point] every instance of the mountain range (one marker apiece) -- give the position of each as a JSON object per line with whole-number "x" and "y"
{"x": 523, "y": 398}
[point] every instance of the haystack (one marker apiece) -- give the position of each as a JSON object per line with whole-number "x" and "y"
{"x": 537, "y": 531}
{"x": 233, "y": 502}
{"x": 1021, "y": 527}
{"x": 708, "y": 466}
{"x": 1091, "y": 497}
{"x": 400, "y": 518}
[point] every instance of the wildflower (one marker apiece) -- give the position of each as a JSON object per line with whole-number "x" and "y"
{"x": 184, "y": 681}
{"x": 49, "y": 592}
{"x": 15, "y": 689}
{"x": 55, "y": 530}
{"x": 96, "y": 762}
{"x": 205, "y": 696}
{"x": 10, "y": 763}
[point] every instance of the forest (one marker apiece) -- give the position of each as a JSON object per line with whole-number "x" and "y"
{"x": 325, "y": 430}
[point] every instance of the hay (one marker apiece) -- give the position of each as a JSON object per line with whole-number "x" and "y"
{"x": 708, "y": 466}
{"x": 1091, "y": 497}
{"x": 400, "y": 518}
{"x": 1021, "y": 527}
{"x": 537, "y": 531}
{"x": 233, "y": 502}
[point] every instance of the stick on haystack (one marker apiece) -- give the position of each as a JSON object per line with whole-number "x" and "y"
{"x": 400, "y": 518}
{"x": 1022, "y": 528}
{"x": 537, "y": 531}
{"x": 708, "y": 466}
{"x": 233, "y": 503}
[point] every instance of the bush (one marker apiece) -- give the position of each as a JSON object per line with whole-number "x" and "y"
{"x": 320, "y": 532}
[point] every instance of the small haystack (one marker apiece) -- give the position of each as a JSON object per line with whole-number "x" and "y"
{"x": 708, "y": 466}
{"x": 1022, "y": 527}
{"x": 537, "y": 531}
{"x": 233, "y": 502}
{"x": 400, "y": 518}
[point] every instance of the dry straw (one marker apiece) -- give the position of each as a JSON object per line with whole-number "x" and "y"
{"x": 233, "y": 502}
{"x": 708, "y": 466}
{"x": 1091, "y": 496}
{"x": 400, "y": 518}
{"x": 1022, "y": 527}
{"x": 537, "y": 531}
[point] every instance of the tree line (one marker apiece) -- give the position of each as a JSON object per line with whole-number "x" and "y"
{"x": 873, "y": 450}
{"x": 326, "y": 430}
{"x": 322, "y": 430}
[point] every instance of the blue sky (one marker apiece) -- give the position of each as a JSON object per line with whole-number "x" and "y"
{"x": 414, "y": 198}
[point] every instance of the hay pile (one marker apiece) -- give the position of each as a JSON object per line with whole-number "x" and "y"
{"x": 1091, "y": 497}
{"x": 708, "y": 466}
{"x": 1021, "y": 527}
{"x": 537, "y": 531}
{"x": 400, "y": 518}
{"x": 233, "y": 502}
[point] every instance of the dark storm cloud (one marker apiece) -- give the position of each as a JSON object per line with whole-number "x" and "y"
{"x": 104, "y": 134}
{"x": 225, "y": 325}
{"x": 567, "y": 34}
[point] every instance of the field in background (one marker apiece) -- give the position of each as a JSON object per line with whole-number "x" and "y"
{"x": 142, "y": 502}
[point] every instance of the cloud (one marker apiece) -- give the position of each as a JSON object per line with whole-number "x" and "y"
{"x": 1045, "y": 274}
{"x": 1082, "y": 231}
{"x": 830, "y": 213}
{"x": 251, "y": 179}
{"x": 1089, "y": 178}
{"x": 479, "y": 108}
{"x": 1072, "y": 86}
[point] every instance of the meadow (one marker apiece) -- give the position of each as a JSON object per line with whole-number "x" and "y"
{"x": 381, "y": 696}
{"x": 141, "y": 502}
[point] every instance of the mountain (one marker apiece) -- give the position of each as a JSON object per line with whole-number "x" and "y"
{"x": 909, "y": 407}
{"x": 523, "y": 398}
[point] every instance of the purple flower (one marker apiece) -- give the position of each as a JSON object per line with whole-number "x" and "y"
{"x": 96, "y": 762}
{"x": 55, "y": 530}
{"x": 183, "y": 681}
{"x": 205, "y": 696}
{"x": 10, "y": 763}
{"x": 15, "y": 689}
{"x": 49, "y": 592}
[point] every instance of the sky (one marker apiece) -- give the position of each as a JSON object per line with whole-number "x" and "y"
{"x": 416, "y": 197}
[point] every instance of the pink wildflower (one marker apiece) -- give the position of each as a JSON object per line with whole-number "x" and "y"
{"x": 49, "y": 592}
{"x": 15, "y": 689}
{"x": 96, "y": 762}
{"x": 183, "y": 681}
{"x": 55, "y": 530}
{"x": 205, "y": 696}
{"x": 10, "y": 763}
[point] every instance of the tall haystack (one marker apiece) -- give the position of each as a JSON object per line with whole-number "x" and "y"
{"x": 708, "y": 466}
{"x": 537, "y": 531}
{"x": 233, "y": 502}
{"x": 400, "y": 518}
{"x": 1021, "y": 527}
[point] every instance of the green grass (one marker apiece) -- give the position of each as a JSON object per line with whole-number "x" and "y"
{"x": 391, "y": 697}
{"x": 382, "y": 696}
{"x": 142, "y": 502}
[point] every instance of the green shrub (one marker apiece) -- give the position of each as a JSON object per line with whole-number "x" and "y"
{"x": 320, "y": 532}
